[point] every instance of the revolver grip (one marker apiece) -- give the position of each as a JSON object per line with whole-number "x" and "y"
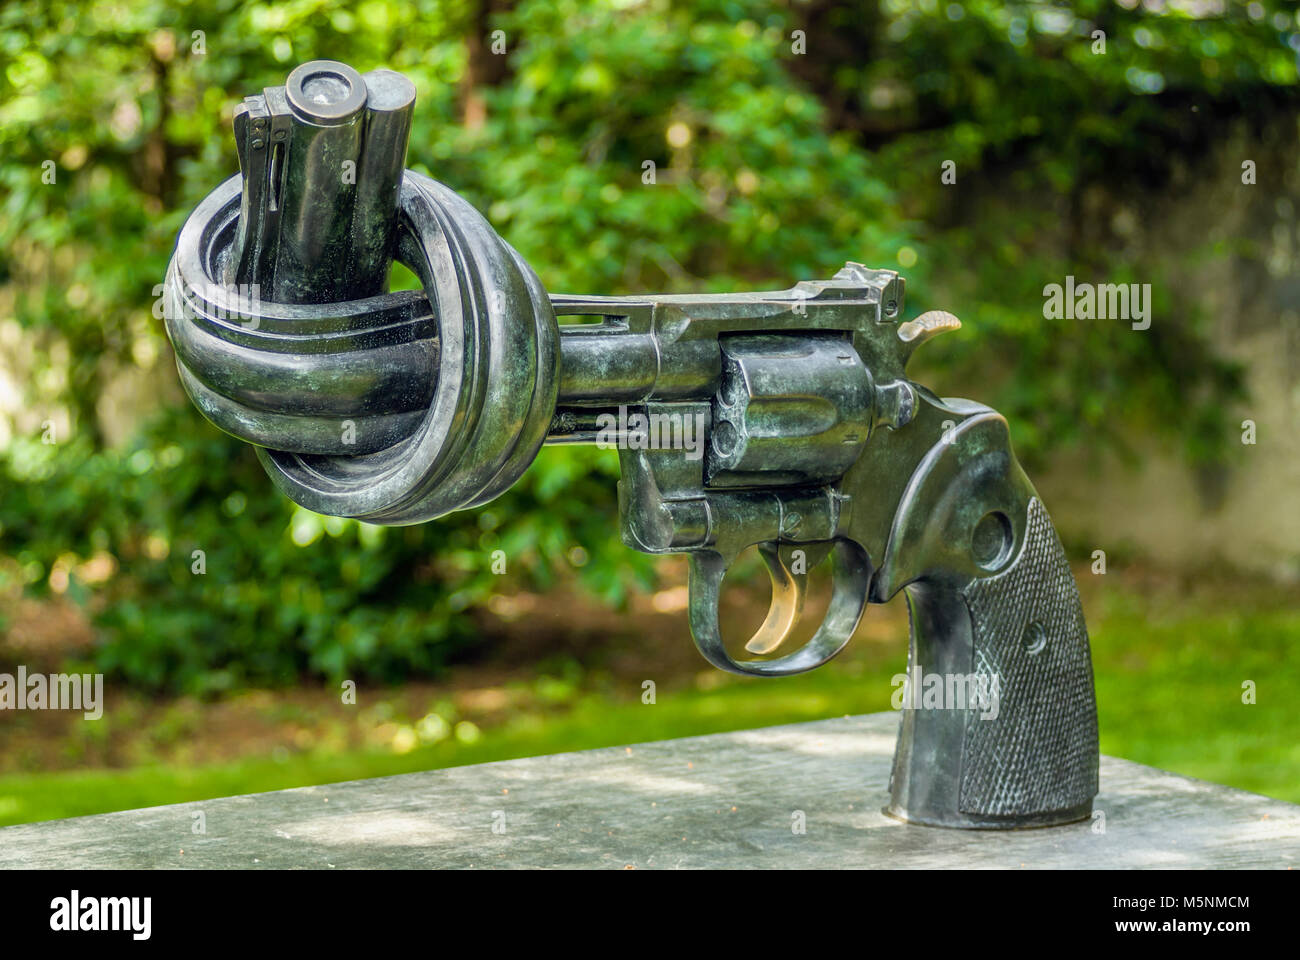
{"x": 1026, "y": 754}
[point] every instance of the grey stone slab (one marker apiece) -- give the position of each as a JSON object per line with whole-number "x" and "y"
{"x": 726, "y": 800}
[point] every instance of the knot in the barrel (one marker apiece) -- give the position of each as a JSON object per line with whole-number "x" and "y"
{"x": 394, "y": 407}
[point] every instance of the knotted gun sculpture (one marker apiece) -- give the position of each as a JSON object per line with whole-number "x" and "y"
{"x": 783, "y": 420}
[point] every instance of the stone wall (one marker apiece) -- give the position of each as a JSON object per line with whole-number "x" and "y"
{"x": 1235, "y": 248}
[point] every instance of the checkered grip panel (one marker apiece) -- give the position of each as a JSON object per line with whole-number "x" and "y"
{"x": 1039, "y": 753}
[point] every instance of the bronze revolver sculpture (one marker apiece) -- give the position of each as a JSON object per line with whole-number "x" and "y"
{"x": 783, "y": 420}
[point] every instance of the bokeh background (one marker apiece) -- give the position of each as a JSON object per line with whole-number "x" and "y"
{"x": 788, "y": 137}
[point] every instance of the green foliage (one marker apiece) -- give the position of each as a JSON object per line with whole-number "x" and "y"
{"x": 770, "y": 166}
{"x": 750, "y": 185}
{"x": 275, "y": 592}
{"x": 1061, "y": 145}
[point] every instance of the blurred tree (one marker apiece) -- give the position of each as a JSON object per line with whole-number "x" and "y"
{"x": 1063, "y": 120}
{"x": 619, "y": 146}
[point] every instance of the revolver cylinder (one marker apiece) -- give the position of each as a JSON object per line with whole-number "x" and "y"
{"x": 791, "y": 410}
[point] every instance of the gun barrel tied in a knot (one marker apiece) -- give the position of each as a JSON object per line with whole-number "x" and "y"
{"x": 782, "y": 420}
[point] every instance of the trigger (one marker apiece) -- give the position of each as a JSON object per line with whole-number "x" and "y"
{"x": 787, "y": 597}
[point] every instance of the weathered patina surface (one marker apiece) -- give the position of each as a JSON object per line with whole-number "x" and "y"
{"x": 782, "y": 420}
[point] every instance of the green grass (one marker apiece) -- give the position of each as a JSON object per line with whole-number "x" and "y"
{"x": 1169, "y": 692}
{"x": 591, "y": 721}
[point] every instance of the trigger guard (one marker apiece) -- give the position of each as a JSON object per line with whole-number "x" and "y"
{"x": 852, "y": 578}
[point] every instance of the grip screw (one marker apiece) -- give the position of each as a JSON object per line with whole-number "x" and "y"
{"x": 1034, "y": 638}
